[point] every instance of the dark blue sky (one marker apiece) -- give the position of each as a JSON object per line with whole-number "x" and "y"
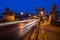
{"x": 27, "y": 5}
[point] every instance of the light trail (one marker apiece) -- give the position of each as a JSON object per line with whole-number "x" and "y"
{"x": 27, "y": 27}
{"x": 9, "y": 23}
{"x": 32, "y": 23}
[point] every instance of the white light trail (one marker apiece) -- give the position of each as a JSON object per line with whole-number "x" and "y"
{"x": 31, "y": 23}
{"x": 27, "y": 27}
{"x": 9, "y": 23}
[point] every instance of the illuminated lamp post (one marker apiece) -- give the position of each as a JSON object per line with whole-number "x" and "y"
{"x": 29, "y": 16}
{"x": 42, "y": 13}
{"x": 22, "y": 15}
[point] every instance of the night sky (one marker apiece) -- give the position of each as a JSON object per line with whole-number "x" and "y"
{"x": 28, "y": 5}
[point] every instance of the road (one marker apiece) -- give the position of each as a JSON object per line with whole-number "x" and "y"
{"x": 15, "y": 31}
{"x": 10, "y": 32}
{"x": 43, "y": 31}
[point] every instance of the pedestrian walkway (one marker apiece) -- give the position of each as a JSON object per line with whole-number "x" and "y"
{"x": 50, "y": 32}
{"x": 48, "y": 25}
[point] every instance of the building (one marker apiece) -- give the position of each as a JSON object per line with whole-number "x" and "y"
{"x": 40, "y": 11}
{"x": 8, "y": 16}
{"x": 53, "y": 14}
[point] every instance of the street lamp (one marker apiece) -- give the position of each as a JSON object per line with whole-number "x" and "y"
{"x": 22, "y": 13}
{"x": 30, "y": 16}
{"x": 42, "y": 13}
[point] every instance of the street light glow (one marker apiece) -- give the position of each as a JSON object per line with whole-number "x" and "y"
{"x": 22, "y": 13}
{"x": 41, "y": 12}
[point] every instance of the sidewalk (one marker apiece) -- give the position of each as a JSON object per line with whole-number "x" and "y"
{"x": 51, "y": 32}
{"x": 48, "y": 26}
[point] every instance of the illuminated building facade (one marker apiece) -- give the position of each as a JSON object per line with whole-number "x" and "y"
{"x": 8, "y": 16}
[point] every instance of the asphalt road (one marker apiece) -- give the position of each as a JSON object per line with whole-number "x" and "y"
{"x": 13, "y": 32}
{"x": 41, "y": 32}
